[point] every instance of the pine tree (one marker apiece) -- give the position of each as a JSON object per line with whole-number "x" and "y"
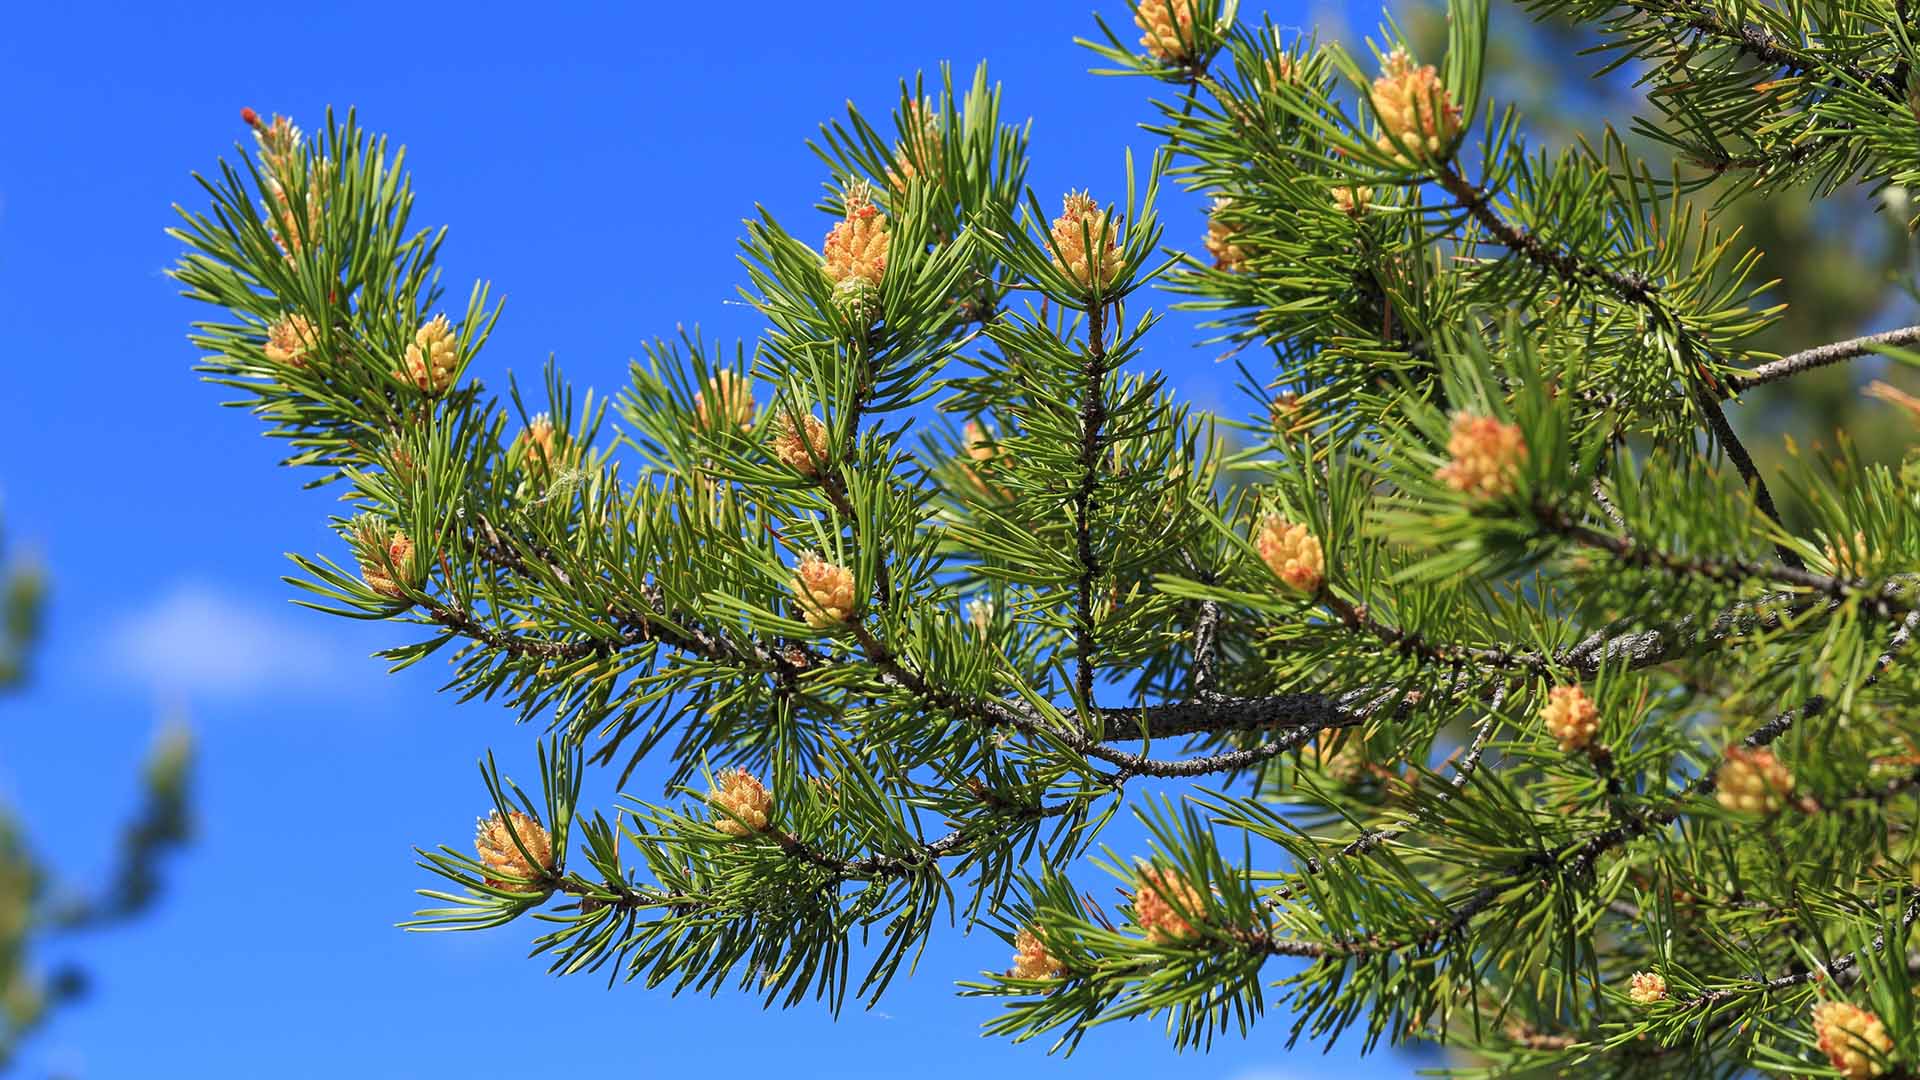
{"x": 1470, "y": 688}
{"x": 34, "y": 908}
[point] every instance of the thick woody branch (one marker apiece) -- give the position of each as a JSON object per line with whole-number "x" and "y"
{"x": 1308, "y": 715}
{"x": 1093, "y": 418}
{"x": 1206, "y": 646}
{"x": 1209, "y": 713}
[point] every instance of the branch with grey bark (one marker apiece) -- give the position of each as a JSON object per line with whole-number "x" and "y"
{"x": 1821, "y": 356}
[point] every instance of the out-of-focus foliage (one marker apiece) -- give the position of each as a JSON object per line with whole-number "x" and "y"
{"x": 34, "y": 908}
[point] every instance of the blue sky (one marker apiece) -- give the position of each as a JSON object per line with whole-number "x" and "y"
{"x": 594, "y": 163}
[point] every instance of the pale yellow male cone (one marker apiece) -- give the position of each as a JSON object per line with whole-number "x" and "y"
{"x": 504, "y": 860}
{"x": 824, "y": 591}
{"x": 1292, "y": 553}
{"x": 1031, "y": 960}
{"x": 1570, "y": 717}
{"x": 1164, "y": 905}
{"x": 1414, "y": 110}
{"x": 432, "y": 358}
{"x": 727, "y": 401}
{"x": 1850, "y": 1036}
{"x": 1169, "y": 28}
{"x": 801, "y": 446}
{"x": 292, "y": 341}
{"x": 1486, "y": 454}
{"x": 922, "y": 151}
{"x": 1223, "y": 238}
{"x": 1752, "y": 781}
{"x": 1086, "y": 242}
{"x": 741, "y": 803}
{"x": 854, "y": 254}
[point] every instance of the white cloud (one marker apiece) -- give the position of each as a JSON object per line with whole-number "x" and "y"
{"x": 195, "y": 640}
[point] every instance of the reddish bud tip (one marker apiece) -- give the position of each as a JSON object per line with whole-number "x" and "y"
{"x": 251, "y": 118}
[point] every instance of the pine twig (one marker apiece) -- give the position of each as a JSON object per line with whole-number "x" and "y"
{"x": 1818, "y": 357}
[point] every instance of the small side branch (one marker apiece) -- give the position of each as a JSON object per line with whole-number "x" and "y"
{"x": 1887, "y": 601}
{"x": 1840, "y": 966}
{"x": 1749, "y": 472}
{"x": 1563, "y": 264}
{"x": 1818, "y": 357}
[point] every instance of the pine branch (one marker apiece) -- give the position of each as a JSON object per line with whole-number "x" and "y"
{"x": 1579, "y": 859}
{"x": 1409, "y": 643}
{"x": 1093, "y": 417}
{"x": 1593, "y": 652}
{"x": 626, "y": 606}
{"x": 1757, "y": 42}
{"x": 1818, "y": 357}
{"x": 1737, "y": 451}
{"x": 1599, "y": 493}
{"x": 1373, "y": 838}
{"x": 1206, "y": 712}
{"x": 1759, "y": 737}
{"x": 635, "y": 627}
{"x": 1569, "y": 268}
{"x": 920, "y": 858}
{"x": 1205, "y": 646}
{"x": 1886, "y": 601}
{"x": 466, "y": 624}
{"x": 1840, "y": 966}
{"x": 1754, "y": 41}
{"x": 1771, "y": 164}
{"x": 1576, "y": 273}
{"x": 1306, "y": 715}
